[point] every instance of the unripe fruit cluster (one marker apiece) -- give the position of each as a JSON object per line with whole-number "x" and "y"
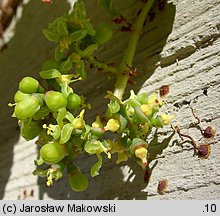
{"x": 55, "y": 116}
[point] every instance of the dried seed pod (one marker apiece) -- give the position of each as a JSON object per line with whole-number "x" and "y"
{"x": 164, "y": 90}
{"x": 209, "y": 132}
{"x": 162, "y": 186}
{"x": 203, "y": 151}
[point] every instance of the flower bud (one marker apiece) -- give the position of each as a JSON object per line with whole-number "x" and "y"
{"x": 28, "y": 85}
{"x": 154, "y": 101}
{"x": 79, "y": 122}
{"x": 55, "y": 100}
{"x": 97, "y": 123}
{"x": 142, "y": 154}
{"x": 52, "y": 152}
{"x": 146, "y": 109}
{"x": 112, "y": 125}
{"x": 139, "y": 148}
{"x": 166, "y": 119}
{"x": 73, "y": 101}
{"x": 27, "y": 107}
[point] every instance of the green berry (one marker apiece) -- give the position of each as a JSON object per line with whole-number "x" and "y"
{"x": 28, "y": 85}
{"x": 29, "y": 130}
{"x": 73, "y": 101}
{"x": 103, "y": 33}
{"x": 19, "y": 96}
{"x": 55, "y": 100}
{"x": 27, "y": 107}
{"x": 52, "y": 152}
{"x": 77, "y": 180}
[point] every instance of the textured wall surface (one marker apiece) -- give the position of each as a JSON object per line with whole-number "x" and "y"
{"x": 180, "y": 47}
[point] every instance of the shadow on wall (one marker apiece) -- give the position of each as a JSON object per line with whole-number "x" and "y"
{"x": 23, "y": 56}
{"x": 110, "y": 184}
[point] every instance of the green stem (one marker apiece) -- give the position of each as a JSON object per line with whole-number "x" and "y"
{"x": 123, "y": 73}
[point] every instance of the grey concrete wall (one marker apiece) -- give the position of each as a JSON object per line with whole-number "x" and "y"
{"x": 180, "y": 47}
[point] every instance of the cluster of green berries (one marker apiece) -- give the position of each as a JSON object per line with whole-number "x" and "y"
{"x": 54, "y": 114}
{"x": 63, "y": 134}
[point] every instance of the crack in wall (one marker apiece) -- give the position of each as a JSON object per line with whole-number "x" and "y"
{"x": 186, "y": 51}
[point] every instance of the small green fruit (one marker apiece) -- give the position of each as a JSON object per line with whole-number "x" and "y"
{"x": 29, "y": 130}
{"x": 19, "y": 96}
{"x": 28, "y": 85}
{"x": 27, "y": 107}
{"x": 52, "y": 152}
{"x": 55, "y": 100}
{"x": 73, "y": 101}
{"x": 103, "y": 33}
{"x": 77, "y": 180}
